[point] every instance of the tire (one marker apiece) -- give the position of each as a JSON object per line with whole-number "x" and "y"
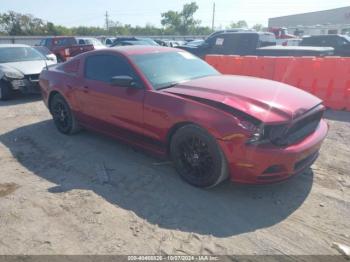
{"x": 5, "y": 91}
{"x": 63, "y": 117}
{"x": 197, "y": 157}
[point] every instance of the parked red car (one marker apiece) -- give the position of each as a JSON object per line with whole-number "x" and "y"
{"x": 170, "y": 102}
{"x": 65, "y": 47}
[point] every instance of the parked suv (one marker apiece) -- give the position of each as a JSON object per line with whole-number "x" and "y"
{"x": 340, "y": 43}
{"x": 65, "y": 47}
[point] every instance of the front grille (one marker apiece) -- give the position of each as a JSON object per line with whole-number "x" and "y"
{"x": 298, "y": 131}
{"x": 33, "y": 78}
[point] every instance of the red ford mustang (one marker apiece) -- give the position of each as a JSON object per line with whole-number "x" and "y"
{"x": 170, "y": 102}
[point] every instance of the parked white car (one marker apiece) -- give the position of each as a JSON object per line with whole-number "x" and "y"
{"x": 20, "y": 67}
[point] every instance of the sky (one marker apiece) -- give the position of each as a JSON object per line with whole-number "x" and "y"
{"x": 136, "y": 12}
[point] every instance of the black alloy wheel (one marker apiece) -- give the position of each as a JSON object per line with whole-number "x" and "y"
{"x": 197, "y": 157}
{"x": 63, "y": 116}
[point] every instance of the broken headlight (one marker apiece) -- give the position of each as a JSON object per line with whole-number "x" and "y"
{"x": 13, "y": 74}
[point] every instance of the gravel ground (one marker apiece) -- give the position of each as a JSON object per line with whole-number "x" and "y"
{"x": 88, "y": 194}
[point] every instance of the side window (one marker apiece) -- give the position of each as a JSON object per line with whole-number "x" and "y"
{"x": 64, "y": 42}
{"x": 327, "y": 41}
{"x": 71, "y": 67}
{"x": 104, "y": 67}
{"x": 81, "y": 42}
{"x": 45, "y": 42}
{"x": 341, "y": 41}
{"x": 308, "y": 41}
{"x": 58, "y": 42}
{"x": 332, "y": 41}
{"x": 212, "y": 41}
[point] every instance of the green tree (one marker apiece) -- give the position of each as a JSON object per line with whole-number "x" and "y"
{"x": 239, "y": 24}
{"x": 181, "y": 22}
{"x": 258, "y": 27}
{"x": 10, "y": 23}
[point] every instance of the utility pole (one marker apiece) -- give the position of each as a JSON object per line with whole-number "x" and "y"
{"x": 213, "y": 20}
{"x": 107, "y": 20}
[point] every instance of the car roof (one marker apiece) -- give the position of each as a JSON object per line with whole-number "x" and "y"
{"x": 315, "y": 36}
{"x": 13, "y": 45}
{"x": 246, "y": 33}
{"x": 58, "y": 37}
{"x": 143, "y": 49}
{"x": 131, "y": 38}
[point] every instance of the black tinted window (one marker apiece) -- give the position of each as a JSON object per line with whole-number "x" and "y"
{"x": 45, "y": 42}
{"x": 65, "y": 41}
{"x": 104, "y": 67}
{"x": 309, "y": 41}
{"x": 324, "y": 41}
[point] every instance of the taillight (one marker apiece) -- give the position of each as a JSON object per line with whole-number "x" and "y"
{"x": 66, "y": 52}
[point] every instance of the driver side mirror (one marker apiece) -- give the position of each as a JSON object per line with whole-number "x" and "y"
{"x": 124, "y": 81}
{"x": 49, "y": 57}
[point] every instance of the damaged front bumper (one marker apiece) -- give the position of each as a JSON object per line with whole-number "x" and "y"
{"x": 26, "y": 85}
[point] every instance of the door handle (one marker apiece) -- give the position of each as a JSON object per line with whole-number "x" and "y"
{"x": 86, "y": 89}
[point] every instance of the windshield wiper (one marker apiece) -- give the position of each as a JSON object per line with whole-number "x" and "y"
{"x": 168, "y": 86}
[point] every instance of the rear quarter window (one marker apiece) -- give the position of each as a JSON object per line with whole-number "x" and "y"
{"x": 71, "y": 67}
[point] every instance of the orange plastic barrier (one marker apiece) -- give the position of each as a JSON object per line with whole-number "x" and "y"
{"x": 328, "y": 78}
{"x": 233, "y": 65}
{"x": 338, "y": 93}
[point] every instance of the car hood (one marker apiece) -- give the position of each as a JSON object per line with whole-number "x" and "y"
{"x": 266, "y": 100}
{"x": 28, "y": 67}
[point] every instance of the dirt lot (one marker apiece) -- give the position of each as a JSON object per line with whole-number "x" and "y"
{"x": 90, "y": 194}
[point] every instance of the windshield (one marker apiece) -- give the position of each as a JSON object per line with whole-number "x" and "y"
{"x": 195, "y": 43}
{"x": 149, "y": 41}
{"x": 19, "y": 54}
{"x": 91, "y": 41}
{"x": 43, "y": 50}
{"x": 166, "y": 69}
{"x": 347, "y": 38}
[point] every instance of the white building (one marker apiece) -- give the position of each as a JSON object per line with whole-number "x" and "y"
{"x": 333, "y": 21}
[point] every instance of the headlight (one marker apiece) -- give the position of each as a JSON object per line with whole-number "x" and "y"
{"x": 257, "y": 136}
{"x": 257, "y": 132}
{"x": 13, "y": 74}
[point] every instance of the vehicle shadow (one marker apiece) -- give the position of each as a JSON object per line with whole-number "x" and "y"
{"x": 134, "y": 181}
{"x": 19, "y": 98}
{"x": 342, "y": 116}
